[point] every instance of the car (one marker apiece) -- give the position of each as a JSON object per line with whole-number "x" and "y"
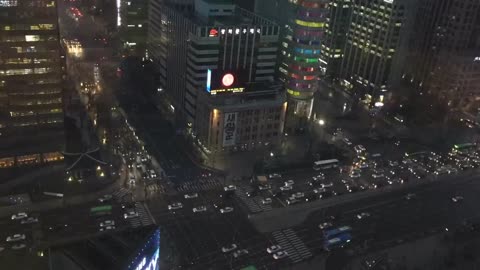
{"x": 20, "y": 215}
{"x": 410, "y": 196}
{"x": 457, "y": 198}
{"x": 16, "y": 237}
{"x": 274, "y": 175}
{"x": 363, "y": 215}
{"x": 274, "y": 249}
{"x": 105, "y": 198}
{"x": 376, "y": 176}
{"x": 291, "y": 201}
{"x": 311, "y": 198}
{"x": 199, "y": 209}
{"x": 286, "y": 188}
{"x": 355, "y": 175}
{"x": 239, "y": 253}
{"x": 252, "y": 193}
{"x": 264, "y": 187}
{"x": 280, "y": 255}
{"x": 107, "y": 228}
{"x": 230, "y": 188}
{"x": 327, "y": 185}
{"x": 226, "y": 210}
{"x": 363, "y": 165}
{"x": 318, "y": 190}
{"x": 19, "y": 246}
{"x": 347, "y": 141}
{"x": 175, "y": 206}
{"x": 191, "y": 196}
{"x": 289, "y": 183}
{"x": 299, "y": 195}
{"x": 230, "y": 248}
{"x": 318, "y": 177}
{"x": 325, "y": 225}
{"x": 130, "y": 214}
{"x": 29, "y": 220}
{"x": 267, "y": 201}
{"x": 107, "y": 223}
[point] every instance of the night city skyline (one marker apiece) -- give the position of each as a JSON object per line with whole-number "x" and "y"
{"x": 239, "y": 134}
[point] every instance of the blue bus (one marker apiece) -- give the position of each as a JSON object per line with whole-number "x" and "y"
{"x": 339, "y": 241}
{"x": 336, "y": 231}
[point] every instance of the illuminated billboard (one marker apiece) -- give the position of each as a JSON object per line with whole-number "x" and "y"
{"x": 148, "y": 255}
{"x": 225, "y": 81}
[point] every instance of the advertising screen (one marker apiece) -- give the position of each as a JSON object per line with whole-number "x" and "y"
{"x": 148, "y": 254}
{"x": 225, "y": 81}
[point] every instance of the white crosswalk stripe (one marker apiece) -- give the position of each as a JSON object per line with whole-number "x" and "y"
{"x": 292, "y": 244}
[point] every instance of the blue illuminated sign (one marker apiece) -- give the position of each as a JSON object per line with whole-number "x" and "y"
{"x": 209, "y": 80}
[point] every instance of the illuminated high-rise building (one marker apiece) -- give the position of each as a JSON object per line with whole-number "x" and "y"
{"x": 31, "y": 80}
{"x": 300, "y": 67}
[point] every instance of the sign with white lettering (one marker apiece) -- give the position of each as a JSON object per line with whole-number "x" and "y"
{"x": 229, "y": 129}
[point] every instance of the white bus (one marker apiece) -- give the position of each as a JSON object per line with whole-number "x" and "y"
{"x": 325, "y": 164}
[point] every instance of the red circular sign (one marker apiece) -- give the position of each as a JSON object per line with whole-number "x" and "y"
{"x": 228, "y": 80}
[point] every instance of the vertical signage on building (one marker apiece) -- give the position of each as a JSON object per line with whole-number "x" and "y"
{"x": 229, "y": 129}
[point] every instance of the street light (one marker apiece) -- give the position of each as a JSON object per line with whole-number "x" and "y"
{"x": 321, "y": 122}
{"x": 271, "y": 154}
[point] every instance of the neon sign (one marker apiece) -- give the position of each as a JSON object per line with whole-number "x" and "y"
{"x": 213, "y": 33}
{"x": 150, "y": 265}
{"x": 228, "y": 80}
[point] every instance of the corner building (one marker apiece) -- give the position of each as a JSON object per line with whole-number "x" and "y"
{"x": 300, "y": 68}
{"x": 31, "y": 80}
{"x": 217, "y": 63}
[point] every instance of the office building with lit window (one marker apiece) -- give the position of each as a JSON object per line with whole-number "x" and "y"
{"x": 133, "y": 24}
{"x": 373, "y": 51}
{"x": 300, "y": 66}
{"x": 31, "y": 80}
{"x": 217, "y": 63}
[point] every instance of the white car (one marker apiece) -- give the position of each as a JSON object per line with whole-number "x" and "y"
{"x": 325, "y": 225}
{"x": 363, "y": 215}
{"x": 229, "y": 249}
{"x": 240, "y": 252}
{"x": 191, "y": 196}
{"x": 199, "y": 209}
{"x": 318, "y": 190}
{"x": 299, "y": 195}
{"x": 355, "y": 175}
{"x": 16, "y": 237}
{"x": 175, "y": 206}
{"x": 107, "y": 223}
{"x": 326, "y": 185}
{"x": 286, "y": 188}
{"x": 230, "y": 188}
{"x": 105, "y": 198}
{"x": 289, "y": 183}
{"x": 107, "y": 228}
{"x": 274, "y": 175}
{"x": 226, "y": 210}
{"x": 29, "y": 220}
{"x": 457, "y": 199}
{"x": 280, "y": 255}
{"x": 130, "y": 214}
{"x": 274, "y": 249}
{"x": 20, "y": 215}
{"x": 291, "y": 201}
{"x": 347, "y": 141}
{"x": 267, "y": 201}
{"x": 264, "y": 187}
{"x": 18, "y": 246}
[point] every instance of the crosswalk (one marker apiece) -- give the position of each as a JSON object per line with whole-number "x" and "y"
{"x": 143, "y": 218}
{"x": 157, "y": 188}
{"x": 292, "y": 244}
{"x": 120, "y": 193}
{"x": 254, "y": 204}
{"x": 195, "y": 186}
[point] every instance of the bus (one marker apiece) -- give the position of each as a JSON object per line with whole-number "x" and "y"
{"x": 325, "y": 164}
{"x": 339, "y": 241}
{"x": 101, "y": 210}
{"x": 464, "y": 147}
{"x": 336, "y": 231}
{"x": 53, "y": 194}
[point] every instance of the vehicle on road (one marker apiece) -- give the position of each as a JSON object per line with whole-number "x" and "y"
{"x": 311, "y": 197}
{"x": 20, "y": 215}
{"x": 286, "y": 188}
{"x": 274, "y": 176}
{"x": 264, "y": 187}
{"x": 363, "y": 215}
{"x": 19, "y": 246}
{"x": 29, "y": 220}
{"x": 226, "y": 210}
{"x": 267, "y": 201}
{"x": 199, "y": 209}
{"x": 291, "y": 201}
{"x": 16, "y": 237}
{"x": 347, "y": 141}
{"x": 130, "y": 214}
{"x": 327, "y": 185}
{"x": 105, "y": 198}
{"x": 107, "y": 223}
{"x": 191, "y": 196}
{"x": 338, "y": 241}
{"x": 319, "y": 177}
{"x": 230, "y": 188}
{"x": 280, "y": 255}
{"x": 289, "y": 183}
{"x": 330, "y": 233}
{"x": 325, "y": 164}
{"x": 252, "y": 193}
{"x": 175, "y": 206}
{"x": 274, "y": 249}
{"x": 410, "y": 196}
{"x": 325, "y": 225}
{"x": 298, "y": 195}
{"x": 107, "y": 228}
{"x": 239, "y": 253}
{"x": 230, "y": 248}
{"x": 457, "y": 199}
{"x": 318, "y": 190}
